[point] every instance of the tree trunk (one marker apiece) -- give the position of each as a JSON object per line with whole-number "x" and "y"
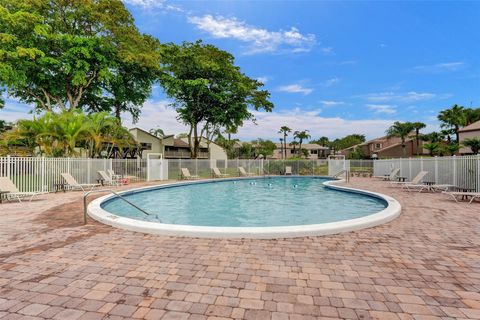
{"x": 457, "y": 134}
{"x": 118, "y": 113}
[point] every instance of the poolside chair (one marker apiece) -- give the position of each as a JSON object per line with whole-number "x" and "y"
{"x": 428, "y": 187}
{"x": 217, "y": 174}
{"x": 185, "y": 175}
{"x": 389, "y": 177}
{"x": 113, "y": 175}
{"x": 74, "y": 185}
{"x": 244, "y": 173}
{"x": 415, "y": 181}
{"x": 13, "y": 193}
{"x": 464, "y": 195}
{"x": 108, "y": 179}
{"x": 288, "y": 171}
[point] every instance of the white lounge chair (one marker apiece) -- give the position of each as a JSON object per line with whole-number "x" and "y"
{"x": 185, "y": 175}
{"x": 428, "y": 187}
{"x": 74, "y": 185}
{"x": 244, "y": 173}
{"x": 217, "y": 174}
{"x": 113, "y": 175}
{"x": 389, "y": 177}
{"x": 288, "y": 171}
{"x": 13, "y": 193}
{"x": 464, "y": 195}
{"x": 415, "y": 181}
{"x": 108, "y": 179}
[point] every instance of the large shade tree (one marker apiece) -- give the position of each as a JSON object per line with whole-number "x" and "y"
{"x": 209, "y": 90}
{"x": 58, "y": 54}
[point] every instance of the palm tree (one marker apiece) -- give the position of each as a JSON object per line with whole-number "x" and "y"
{"x": 159, "y": 133}
{"x": 294, "y": 144}
{"x": 301, "y": 135}
{"x": 323, "y": 141}
{"x": 453, "y": 119}
{"x": 401, "y": 130}
{"x": 432, "y": 147}
{"x": 473, "y": 143}
{"x": 418, "y": 126}
{"x": 285, "y": 131}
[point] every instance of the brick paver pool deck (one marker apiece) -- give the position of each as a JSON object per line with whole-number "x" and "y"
{"x": 423, "y": 265}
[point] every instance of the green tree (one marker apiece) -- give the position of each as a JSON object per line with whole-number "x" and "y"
{"x": 417, "y": 126}
{"x": 323, "y": 141}
{"x": 432, "y": 147}
{"x": 68, "y": 132}
{"x": 401, "y": 130}
{"x": 301, "y": 135}
{"x": 209, "y": 90}
{"x": 285, "y": 131}
{"x": 433, "y": 137}
{"x": 72, "y": 54}
{"x": 473, "y": 144}
{"x": 157, "y": 132}
{"x": 453, "y": 119}
{"x": 263, "y": 148}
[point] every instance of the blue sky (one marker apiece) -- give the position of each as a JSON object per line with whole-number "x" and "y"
{"x": 333, "y": 68}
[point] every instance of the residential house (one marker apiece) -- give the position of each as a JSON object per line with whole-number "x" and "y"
{"x": 386, "y": 147}
{"x": 315, "y": 151}
{"x": 175, "y": 148}
{"x": 470, "y": 131}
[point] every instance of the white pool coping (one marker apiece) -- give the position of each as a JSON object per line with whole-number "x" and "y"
{"x": 392, "y": 211}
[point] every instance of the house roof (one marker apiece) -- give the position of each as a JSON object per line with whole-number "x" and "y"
{"x": 179, "y": 143}
{"x": 146, "y": 132}
{"x": 472, "y": 127}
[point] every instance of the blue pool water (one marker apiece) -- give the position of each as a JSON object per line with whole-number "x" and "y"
{"x": 262, "y": 202}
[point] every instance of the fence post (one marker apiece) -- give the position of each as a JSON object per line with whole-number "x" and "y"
{"x": 436, "y": 169}
{"x": 455, "y": 171}
{"x": 8, "y": 166}
{"x": 42, "y": 179}
{"x": 89, "y": 166}
{"x": 410, "y": 168}
{"x": 478, "y": 173}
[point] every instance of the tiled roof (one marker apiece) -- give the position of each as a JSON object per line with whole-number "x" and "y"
{"x": 473, "y": 127}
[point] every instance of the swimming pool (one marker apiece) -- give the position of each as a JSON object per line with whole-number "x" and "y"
{"x": 262, "y": 207}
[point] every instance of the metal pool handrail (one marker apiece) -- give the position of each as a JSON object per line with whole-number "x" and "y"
{"x": 347, "y": 174}
{"x": 107, "y": 190}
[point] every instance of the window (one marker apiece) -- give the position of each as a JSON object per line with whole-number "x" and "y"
{"x": 314, "y": 151}
{"x": 292, "y": 151}
{"x": 146, "y": 146}
{"x": 378, "y": 145}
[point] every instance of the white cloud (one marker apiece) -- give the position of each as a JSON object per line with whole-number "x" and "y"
{"x": 268, "y": 124}
{"x": 295, "y": 88}
{"x": 263, "y": 79}
{"x": 331, "y": 82}
{"x": 153, "y": 4}
{"x": 332, "y": 103}
{"x": 157, "y": 114}
{"x": 327, "y": 51}
{"x": 258, "y": 39}
{"x": 382, "y": 108}
{"x": 440, "y": 67}
{"x": 410, "y": 96}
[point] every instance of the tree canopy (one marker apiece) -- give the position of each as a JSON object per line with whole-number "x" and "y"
{"x": 401, "y": 130}
{"x": 209, "y": 90}
{"x": 66, "y": 55}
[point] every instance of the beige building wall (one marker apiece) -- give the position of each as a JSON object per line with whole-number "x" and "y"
{"x": 465, "y": 135}
{"x": 144, "y": 137}
{"x": 216, "y": 152}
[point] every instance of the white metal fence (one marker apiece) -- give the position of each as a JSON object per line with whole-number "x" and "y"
{"x": 458, "y": 171}
{"x": 41, "y": 174}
